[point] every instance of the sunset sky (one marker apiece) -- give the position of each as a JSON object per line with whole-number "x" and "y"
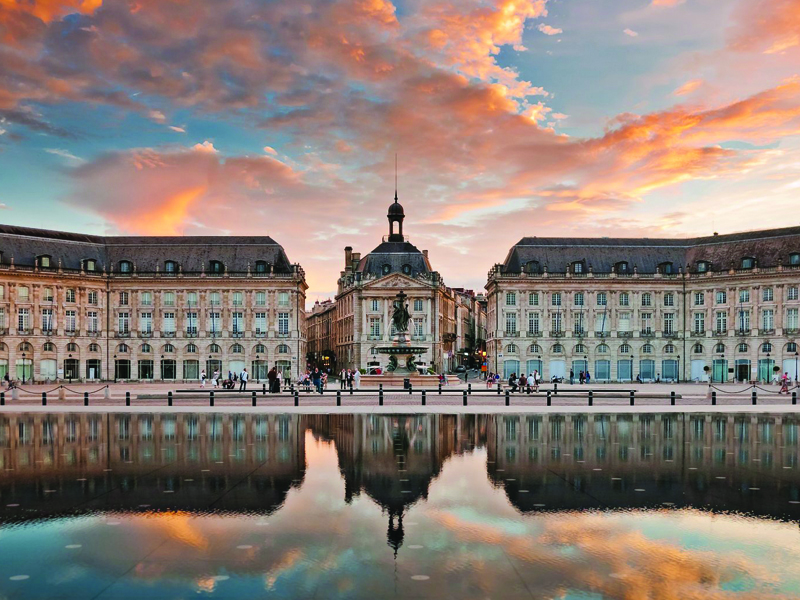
{"x": 509, "y": 118}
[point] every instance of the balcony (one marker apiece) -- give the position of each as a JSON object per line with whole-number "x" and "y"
{"x": 4, "y": 331}
{"x": 647, "y": 333}
{"x": 743, "y": 332}
{"x": 145, "y": 334}
{"x": 672, "y": 335}
{"x": 766, "y": 332}
{"x": 122, "y": 334}
{"x": 191, "y": 334}
{"x": 720, "y": 332}
{"x": 71, "y": 332}
{"x": 237, "y": 334}
{"x": 93, "y": 333}
{"x": 624, "y": 334}
{"x": 283, "y": 335}
{"x": 167, "y": 334}
{"x": 698, "y": 333}
{"x": 602, "y": 334}
{"x": 511, "y": 334}
{"x": 260, "y": 334}
{"x": 790, "y": 330}
{"x": 557, "y": 334}
{"x": 48, "y": 331}
{"x": 534, "y": 334}
{"x": 374, "y": 337}
{"x": 214, "y": 334}
{"x": 22, "y": 331}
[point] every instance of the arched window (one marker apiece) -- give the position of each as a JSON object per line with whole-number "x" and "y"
{"x": 237, "y": 349}
{"x": 94, "y": 347}
{"x": 791, "y": 347}
{"x": 535, "y": 349}
{"x": 125, "y": 267}
{"x": 3, "y": 347}
{"x": 170, "y": 267}
{"x": 24, "y": 347}
{"x": 190, "y": 349}
{"x": 386, "y": 269}
{"x": 146, "y": 348}
{"x": 283, "y": 349}
{"x": 647, "y": 349}
{"x": 766, "y": 347}
{"x": 168, "y": 348}
{"x": 624, "y": 349}
{"x": 49, "y": 347}
{"x": 698, "y": 348}
{"x": 261, "y": 266}
{"x": 122, "y": 349}
{"x": 260, "y": 349}
{"x": 580, "y": 349}
{"x": 558, "y": 348}
{"x": 407, "y": 269}
{"x": 669, "y": 349}
{"x": 602, "y": 349}
{"x": 703, "y": 266}
{"x": 741, "y": 347}
{"x": 719, "y": 348}
{"x": 511, "y": 349}
{"x": 72, "y": 347}
{"x": 214, "y": 349}
{"x": 216, "y": 267}
{"x": 748, "y": 262}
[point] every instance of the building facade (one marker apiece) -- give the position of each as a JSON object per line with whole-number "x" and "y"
{"x": 720, "y": 308}
{"x": 80, "y": 307}
{"x": 320, "y": 322}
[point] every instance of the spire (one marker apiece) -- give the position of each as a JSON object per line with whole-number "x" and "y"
{"x": 395, "y": 178}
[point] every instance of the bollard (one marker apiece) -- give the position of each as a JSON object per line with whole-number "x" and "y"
{"x": 464, "y": 397}
{"x": 264, "y": 389}
{"x": 549, "y": 401}
{"x": 127, "y": 398}
{"x": 351, "y": 390}
{"x": 469, "y": 389}
{"x": 528, "y": 390}
{"x": 794, "y": 397}
{"x": 423, "y": 398}
{"x": 380, "y": 397}
{"x": 713, "y": 398}
{"x": 169, "y": 398}
{"x": 591, "y": 398}
{"x": 44, "y": 398}
{"x": 555, "y": 389}
{"x": 380, "y": 387}
{"x": 253, "y": 396}
{"x": 86, "y": 398}
{"x": 2, "y": 398}
{"x": 755, "y": 397}
{"x": 672, "y": 398}
{"x": 632, "y": 397}
{"x": 498, "y": 388}
{"x": 296, "y": 398}
{"x": 410, "y": 388}
{"x": 440, "y": 389}
{"x": 211, "y": 399}
{"x": 508, "y": 400}
{"x": 338, "y": 397}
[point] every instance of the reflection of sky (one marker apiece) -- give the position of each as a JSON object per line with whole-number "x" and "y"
{"x": 467, "y": 538}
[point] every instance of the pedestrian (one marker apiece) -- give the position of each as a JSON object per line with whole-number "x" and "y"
{"x": 581, "y": 378}
{"x": 350, "y": 379}
{"x": 784, "y": 384}
{"x": 272, "y": 377}
{"x": 536, "y": 379}
{"x": 588, "y": 378}
{"x": 202, "y": 378}
{"x": 571, "y": 376}
{"x": 512, "y": 381}
{"x": 490, "y": 380}
{"x": 215, "y": 378}
{"x": 317, "y": 377}
{"x": 243, "y": 377}
{"x": 343, "y": 379}
{"x": 278, "y": 381}
{"x": 357, "y": 378}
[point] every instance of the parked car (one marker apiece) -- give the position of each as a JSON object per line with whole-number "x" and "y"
{"x": 461, "y": 369}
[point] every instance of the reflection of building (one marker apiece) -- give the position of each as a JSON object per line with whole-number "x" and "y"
{"x": 128, "y": 461}
{"x": 724, "y": 307}
{"x": 574, "y": 461}
{"x": 88, "y": 307}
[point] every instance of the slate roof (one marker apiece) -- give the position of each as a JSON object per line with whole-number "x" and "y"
{"x": 769, "y": 247}
{"x": 24, "y": 244}
{"x": 394, "y": 254}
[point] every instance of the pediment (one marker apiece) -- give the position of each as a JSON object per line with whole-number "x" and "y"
{"x": 397, "y": 281}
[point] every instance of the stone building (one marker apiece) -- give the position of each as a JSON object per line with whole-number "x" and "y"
{"x": 723, "y": 307}
{"x": 82, "y": 307}
{"x": 364, "y": 302}
{"x": 319, "y": 331}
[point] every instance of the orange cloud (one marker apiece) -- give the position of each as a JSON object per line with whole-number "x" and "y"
{"x": 688, "y": 87}
{"x": 768, "y": 26}
{"x": 48, "y": 10}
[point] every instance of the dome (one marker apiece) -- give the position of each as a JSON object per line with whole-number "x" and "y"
{"x": 396, "y": 209}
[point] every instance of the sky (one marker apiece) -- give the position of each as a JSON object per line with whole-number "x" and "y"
{"x": 509, "y": 118}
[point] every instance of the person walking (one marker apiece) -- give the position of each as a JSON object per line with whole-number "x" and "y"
{"x": 571, "y": 376}
{"x": 243, "y": 377}
{"x": 203, "y": 378}
{"x": 317, "y": 377}
{"x": 536, "y": 379}
{"x": 215, "y": 378}
{"x": 357, "y": 378}
{"x": 272, "y": 377}
{"x": 278, "y": 381}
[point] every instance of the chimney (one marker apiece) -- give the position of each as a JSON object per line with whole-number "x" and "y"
{"x": 715, "y": 233}
{"x": 348, "y": 256}
{"x": 356, "y": 256}
{"x": 425, "y": 253}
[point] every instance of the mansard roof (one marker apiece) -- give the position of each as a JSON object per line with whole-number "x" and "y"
{"x": 192, "y": 253}
{"x": 723, "y": 252}
{"x": 396, "y": 255}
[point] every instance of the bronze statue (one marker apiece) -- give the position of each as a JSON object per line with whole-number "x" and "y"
{"x": 401, "y": 316}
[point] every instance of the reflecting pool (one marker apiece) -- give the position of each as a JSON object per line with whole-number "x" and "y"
{"x": 578, "y": 507}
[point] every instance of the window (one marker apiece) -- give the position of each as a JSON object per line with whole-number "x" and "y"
{"x": 744, "y": 321}
{"x": 791, "y": 318}
{"x": 556, "y": 299}
{"x": 22, "y": 293}
{"x": 578, "y": 298}
{"x": 92, "y": 322}
{"x": 794, "y": 258}
{"x": 748, "y": 262}
{"x": 123, "y": 298}
{"x": 624, "y": 349}
{"x": 47, "y": 294}
{"x": 191, "y": 298}
{"x": 169, "y": 299}
{"x": 418, "y": 305}
{"x": 146, "y": 322}
{"x": 47, "y": 319}
{"x": 237, "y": 349}
{"x": 511, "y": 323}
{"x": 719, "y": 348}
{"x": 511, "y": 349}
{"x": 70, "y": 321}
{"x": 69, "y": 296}
{"x": 146, "y": 299}
{"x": 532, "y": 267}
{"x": 578, "y": 323}
{"x": 146, "y": 348}
{"x": 767, "y": 319}
{"x": 647, "y": 349}
{"x": 766, "y": 347}
{"x": 621, "y": 267}
{"x": 283, "y": 298}
{"x": 2, "y": 319}
{"x": 261, "y": 323}
{"x": 697, "y": 348}
{"x": 703, "y": 266}
{"x": 122, "y": 349}
{"x": 624, "y": 299}
{"x": 386, "y": 269}
{"x": 767, "y": 294}
{"x": 170, "y": 267}
{"x": 261, "y": 298}
{"x": 511, "y": 298}
{"x": 666, "y": 268}
{"x": 407, "y": 269}
{"x": 533, "y": 323}
{"x": 283, "y": 323}
{"x": 92, "y": 298}
{"x": 669, "y": 323}
{"x": 124, "y": 322}
{"x": 791, "y": 347}
{"x": 669, "y": 349}
{"x": 374, "y": 305}
{"x": 558, "y": 348}
{"x": 602, "y": 299}
{"x": 722, "y": 297}
{"x": 214, "y": 299}
{"x": 260, "y": 349}
{"x": 43, "y": 262}
{"x": 580, "y": 349}
{"x": 624, "y": 321}
{"x": 125, "y": 267}
{"x": 744, "y": 296}
{"x": 216, "y": 267}
{"x": 168, "y": 348}
{"x": 555, "y": 323}
{"x": 191, "y": 349}
{"x": 214, "y": 349}
{"x": 699, "y": 299}
{"x": 375, "y": 327}
{"x": 721, "y": 325}
{"x": 238, "y": 299}
{"x": 602, "y": 349}
{"x": 533, "y": 299}
{"x": 419, "y": 330}
{"x": 647, "y": 322}
{"x": 699, "y": 322}
{"x": 669, "y": 299}
{"x": 535, "y": 349}
{"x": 647, "y": 299}
{"x": 261, "y": 266}
{"x": 577, "y": 267}
{"x": 213, "y": 322}
{"x": 191, "y": 323}
{"x": 169, "y": 322}
{"x": 89, "y": 264}
{"x": 791, "y": 293}
{"x": 238, "y": 322}
{"x": 94, "y": 347}
{"x": 742, "y": 347}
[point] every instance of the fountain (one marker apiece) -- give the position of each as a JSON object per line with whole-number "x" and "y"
{"x": 401, "y": 352}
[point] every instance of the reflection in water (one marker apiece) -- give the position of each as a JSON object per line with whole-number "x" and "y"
{"x": 568, "y": 506}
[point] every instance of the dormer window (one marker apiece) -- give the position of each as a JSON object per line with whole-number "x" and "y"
{"x": 577, "y": 268}
{"x": 386, "y": 269}
{"x": 407, "y": 269}
{"x": 44, "y": 261}
{"x": 170, "y": 267}
{"x": 125, "y": 267}
{"x": 748, "y": 262}
{"x": 89, "y": 264}
{"x": 666, "y": 268}
{"x": 261, "y": 266}
{"x": 621, "y": 267}
{"x": 794, "y": 258}
{"x": 532, "y": 267}
{"x": 703, "y": 266}
{"x": 216, "y": 267}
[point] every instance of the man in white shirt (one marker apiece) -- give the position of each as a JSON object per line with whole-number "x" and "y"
{"x": 243, "y": 377}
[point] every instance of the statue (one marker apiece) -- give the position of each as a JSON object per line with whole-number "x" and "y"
{"x": 401, "y": 316}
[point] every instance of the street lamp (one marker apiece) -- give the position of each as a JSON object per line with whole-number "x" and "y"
{"x": 722, "y": 367}
{"x": 115, "y": 368}
{"x": 678, "y": 373}
{"x": 769, "y": 369}
{"x": 70, "y": 370}
{"x": 23, "y": 367}
{"x": 632, "y": 378}
{"x": 795, "y": 369}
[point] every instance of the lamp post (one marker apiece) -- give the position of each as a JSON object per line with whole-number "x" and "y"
{"x": 24, "y": 364}
{"x": 70, "y": 369}
{"x": 795, "y": 368}
{"x": 722, "y": 367}
{"x": 678, "y": 374}
{"x": 632, "y": 377}
{"x": 115, "y": 368}
{"x": 769, "y": 370}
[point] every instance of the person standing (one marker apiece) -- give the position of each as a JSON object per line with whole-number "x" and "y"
{"x": 215, "y": 378}
{"x": 203, "y": 378}
{"x": 357, "y": 378}
{"x": 278, "y": 381}
{"x": 571, "y": 376}
{"x": 317, "y": 378}
{"x": 272, "y": 377}
{"x": 343, "y": 379}
{"x": 243, "y": 377}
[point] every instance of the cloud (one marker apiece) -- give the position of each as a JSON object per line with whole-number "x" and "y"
{"x": 64, "y": 154}
{"x": 4, "y": 206}
{"x": 548, "y": 30}
{"x": 630, "y": 32}
{"x": 667, "y": 3}
{"x": 177, "y": 129}
{"x": 767, "y": 26}
{"x": 688, "y": 87}
{"x": 270, "y": 150}
{"x": 157, "y": 116}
